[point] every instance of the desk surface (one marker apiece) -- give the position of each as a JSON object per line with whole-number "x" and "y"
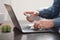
{"x": 37, "y": 36}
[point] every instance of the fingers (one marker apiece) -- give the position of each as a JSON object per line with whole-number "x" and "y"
{"x": 36, "y": 25}
{"x": 29, "y": 19}
{"x": 28, "y": 12}
{"x": 29, "y": 16}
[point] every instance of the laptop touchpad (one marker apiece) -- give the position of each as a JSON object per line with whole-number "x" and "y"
{"x": 31, "y": 26}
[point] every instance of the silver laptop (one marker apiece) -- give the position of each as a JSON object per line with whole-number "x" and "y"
{"x": 25, "y": 29}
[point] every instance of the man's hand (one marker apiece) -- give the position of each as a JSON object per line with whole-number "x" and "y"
{"x": 32, "y": 13}
{"x": 44, "y": 23}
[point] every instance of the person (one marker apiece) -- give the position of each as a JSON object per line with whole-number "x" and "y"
{"x": 52, "y": 15}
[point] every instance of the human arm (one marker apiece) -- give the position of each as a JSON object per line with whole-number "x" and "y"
{"x": 51, "y": 12}
{"x": 47, "y": 23}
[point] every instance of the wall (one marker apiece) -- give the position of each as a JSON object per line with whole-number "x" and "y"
{"x": 20, "y": 6}
{"x": 3, "y": 9}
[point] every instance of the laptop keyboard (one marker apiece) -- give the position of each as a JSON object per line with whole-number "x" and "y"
{"x": 29, "y": 28}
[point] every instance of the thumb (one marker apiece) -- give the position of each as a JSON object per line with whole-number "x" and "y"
{"x": 36, "y": 24}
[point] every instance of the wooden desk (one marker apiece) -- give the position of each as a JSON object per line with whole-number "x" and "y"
{"x": 37, "y": 36}
{"x": 16, "y": 35}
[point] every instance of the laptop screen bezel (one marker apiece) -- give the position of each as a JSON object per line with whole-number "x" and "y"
{"x": 13, "y": 16}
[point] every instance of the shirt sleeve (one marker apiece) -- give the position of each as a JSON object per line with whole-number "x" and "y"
{"x": 57, "y": 22}
{"x": 50, "y": 12}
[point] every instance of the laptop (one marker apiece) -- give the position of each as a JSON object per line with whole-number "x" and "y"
{"x": 25, "y": 29}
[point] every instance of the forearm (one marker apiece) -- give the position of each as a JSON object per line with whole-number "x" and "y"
{"x": 55, "y": 22}
{"x": 52, "y": 22}
{"x": 49, "y": 13}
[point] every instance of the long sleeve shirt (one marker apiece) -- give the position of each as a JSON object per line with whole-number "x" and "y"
{"x": 52, "y": 12}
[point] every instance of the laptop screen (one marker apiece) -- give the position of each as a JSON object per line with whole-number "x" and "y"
{"x": 12, "y": 16}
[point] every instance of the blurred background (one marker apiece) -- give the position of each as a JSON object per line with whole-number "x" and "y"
{"x": 19, "y": 6}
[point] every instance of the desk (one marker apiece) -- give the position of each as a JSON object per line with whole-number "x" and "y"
{"x": 37, "y": 36}
{"x": 16, "y": 35}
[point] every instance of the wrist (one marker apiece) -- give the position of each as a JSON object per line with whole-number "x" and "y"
{"x": 47, "y": 23}
{"x": 36, "y": 13}
{"x": 51, "y": 22}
